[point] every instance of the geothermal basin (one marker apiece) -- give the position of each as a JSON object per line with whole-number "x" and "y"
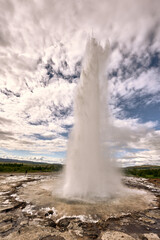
{"x": 30, "y": 210}
{"x": 42, "y": 195}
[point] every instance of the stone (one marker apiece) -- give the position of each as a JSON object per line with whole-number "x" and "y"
{"x": 63, "y": 223}
{"x": 92, "y": 233}
{"x": 24, "y": 222}
{"x": 90, "y": 230}
{"x": 54, "y": 237}
{"x": 144, "y": 238}
{"x": 4, "y": 218}
{"x": 51, "y": 223}
{"x": 16, "y": 206}
{"x": 5, "y": 228}
{"x": 103, "y": 225}
{"x": 154, "y": 213}
{"x": 114, "y": 235}
{"x": 151, "y": 236}
{"x": 50, "y": 212}
{"x": 147, "y": 220}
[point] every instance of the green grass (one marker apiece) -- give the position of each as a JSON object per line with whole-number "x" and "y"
{"x": 22, "y": 168}
{"x": 140, "y": 171}
{"x": 143, "y": 171}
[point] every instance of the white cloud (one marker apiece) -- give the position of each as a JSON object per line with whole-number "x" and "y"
{"x": 144, "y": 151}
{"x": 42, "y": 43}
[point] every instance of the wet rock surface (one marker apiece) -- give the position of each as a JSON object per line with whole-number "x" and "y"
{"x": 22, "y": 220}
{"x": 54, "y": 237}
{"x": 116, "y": 236}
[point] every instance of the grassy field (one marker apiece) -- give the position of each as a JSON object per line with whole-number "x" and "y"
{"x": 12, "y": 167}
{"x": 143, "y": 171}
{"x": 26, "y": 167}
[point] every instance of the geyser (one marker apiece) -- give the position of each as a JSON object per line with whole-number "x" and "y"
{"x": 90, "y": 172}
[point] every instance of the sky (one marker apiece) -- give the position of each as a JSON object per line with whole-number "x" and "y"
{"x": 42, "y": 44}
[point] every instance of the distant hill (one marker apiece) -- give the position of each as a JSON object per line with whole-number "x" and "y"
{"x": 146, "y": 171}
{"x": 16, "y": 166}
{"x": 8, "y": 160}
{"x": 144, "y": 167}
{"x": 13, "y": 165}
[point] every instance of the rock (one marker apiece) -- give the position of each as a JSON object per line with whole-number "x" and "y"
{"x": 5, "y": 228}
{"x": 50, "y": 212}
{"x": 103, "y": 224}
{"x": 90, "y": 230}
{"x": 144, "y": 238}
{"x": 151, "y": 236}
{"x": 158, "y": 200}
{"x": 16, "y": 206}
{"x": 154, "y": 213}
{"x": 40, "y": 213}
{"x": 5, "y": 218}
{"x": 24, "y": 222}
{"x": 147, "y": 220}
{"x": 114, "y": 235}
{"x": 52, "y": 238}
{"x": 92, "y": 233}
{"x": 78, "y": 232}
{"x": 51, "y": 223}
{"x": 63, "y": 223}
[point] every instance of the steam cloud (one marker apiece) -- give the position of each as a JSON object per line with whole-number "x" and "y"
{"x": 89, "y": 170}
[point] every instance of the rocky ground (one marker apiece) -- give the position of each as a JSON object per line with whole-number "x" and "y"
{"x": 21, "y": 220}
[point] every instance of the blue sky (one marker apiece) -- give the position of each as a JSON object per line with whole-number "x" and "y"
{"x": 42, "y": 45}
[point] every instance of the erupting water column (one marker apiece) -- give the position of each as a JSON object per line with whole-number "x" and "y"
{"x": 89, "y": 172}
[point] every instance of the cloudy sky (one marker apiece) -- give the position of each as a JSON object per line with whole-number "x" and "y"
{"x": 42, "y": 45}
